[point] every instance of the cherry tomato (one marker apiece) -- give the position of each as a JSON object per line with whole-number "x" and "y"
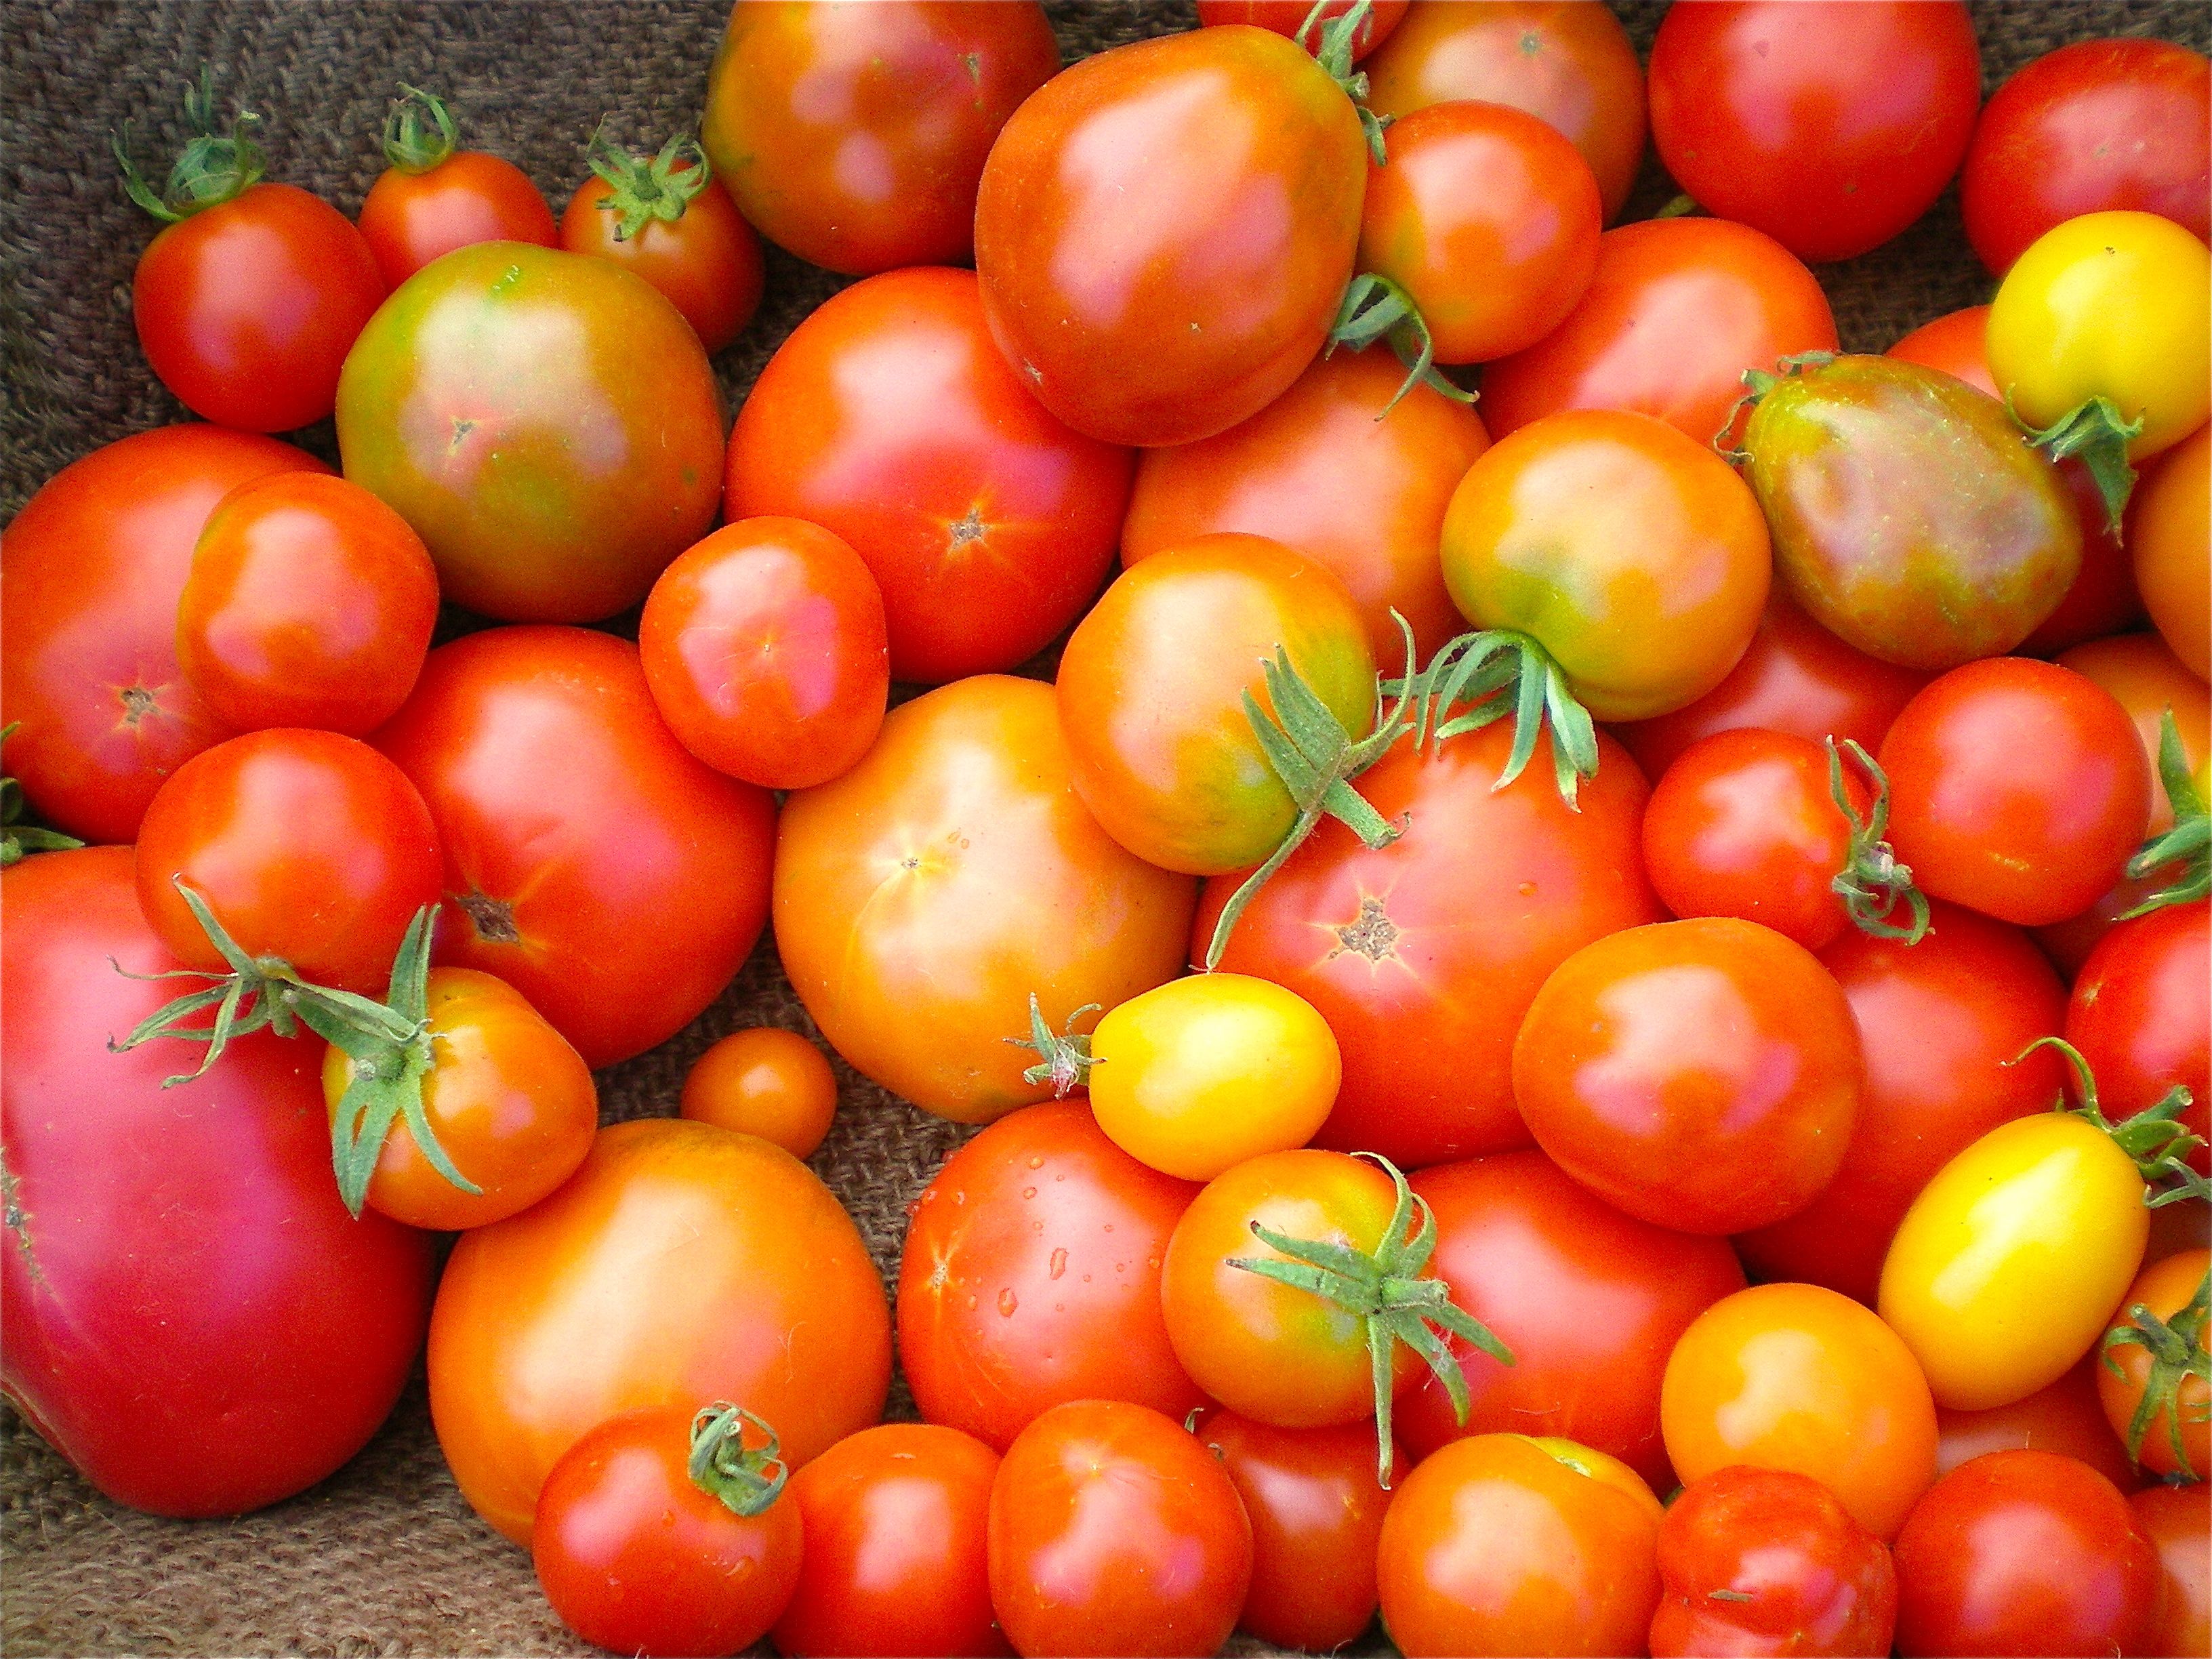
{"x": 1831, "y": 126}
{"x": 2147, "y": 680}
{"x": 2065, "y": 1417}
{"x": 1764, "y": 1561}
{"x": 2167, "y": 531}
{"x": 432, "y": 197}
{"x": 2140, "y": 1014}
{"x": 1165, "y": 230}
{"x": 764, "y": 648}
{"x": 2156, "y": 1388}
{"x": 764, "y": 1081}
{"x": 887, "y": 418}
{"x": 90, "y": 578}
{"x": 855, "y": 135}
{"x": 2023, "y": 1552}
{"x": 2093, "y": 125}
{"x": 1113, "y": 1531}
{"x": 1795, "y": 1377}
{"x": 670, "y": 223}
{"x": 2178, "y": 1523}
{"x": 1291, "y": 17}
{"x": 1031, "y": 1278}
{"x": 925, "y": 896}
{"x": 310, "y": 602}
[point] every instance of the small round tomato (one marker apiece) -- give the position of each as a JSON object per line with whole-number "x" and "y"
{"x": 2176, "y": 1521}
{"x": 2066, "y": 1418}
{"x": 1792, "y": 1377}
{"x": 310, "y": 602}
{"x": 2148, "y": 680}
{"x": 2017, "y": 787}
{"x": 764, "y": 1081}
{"x": 1488, "y": 219}
{"x": 1294, "y": 18}
{"x": 2167, "y": 531}
{"x": 1507, "y": 1545}
{"x": 1114, "y": 1531}
{"x": 2141, "y": 1014}
{"x": 432, "y": 197}
{"x": 1766, "y": 1561}
{"x": 660, "y": 1533}
{"x": 2023, "y": 1552}
{"x": 896, "y": 1521}
{"x": 2154, "y": 1381}
{"x": 764, "y": 648}
{"x": 1699, "y": 1075}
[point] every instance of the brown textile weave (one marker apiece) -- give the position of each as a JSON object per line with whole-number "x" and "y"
{"x": 385, "y": 1558}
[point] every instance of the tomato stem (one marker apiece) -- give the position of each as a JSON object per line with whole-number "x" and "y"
{"x": 1476, "y": 669}
{"x": 2098, "y": 433}
{"x": 1757, "y": 383}
{"x": 1339, "y": 40}
{"x": 746, "y": 1478}
{"x": 1375, "y": 308}
{"x": 418, "y": 131}
{"x": 2176, "y": 1353}
{"x": 646, "y": 189}
{"x": 2188, "y": 843}
{"x": 212, "y": 168}
{"x": 1066, "y": 1059}
{"x": 1872, "y": 882}
{"x": 2153, "y": 1138}
{"x": 17, "y": 838}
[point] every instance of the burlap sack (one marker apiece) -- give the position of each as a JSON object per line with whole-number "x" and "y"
{"x": 385, "y": 1558}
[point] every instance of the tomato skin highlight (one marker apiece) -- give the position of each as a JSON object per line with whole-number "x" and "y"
{"x": 409, "y": 219}
{"x": 707, "y": 264}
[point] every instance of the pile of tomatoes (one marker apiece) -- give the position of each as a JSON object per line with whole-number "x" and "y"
{"x": 1590, "y": 1007}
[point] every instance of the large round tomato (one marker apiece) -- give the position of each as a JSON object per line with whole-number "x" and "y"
{"x": 1163, "y": 232}
{"x": 434, "y": 198}
{"x": 2142, "y": 1015}
{"x": 191, "y": 1318}
{"x": 548, "y": 424}
{"x": 91, "y": 572}
{"x": 591, "y": 863}
{"x": 2066, "y": 1418}
{"x": 2167, "y": 536}
{"x": 923, "y": 897}
{"x": 681, "y": 1263}
{"x": 888, "y": 418}
{"x": 2155, "y": 1389}
{"x": 2149, "y": 681}
{"x": 2176, "y": 1521}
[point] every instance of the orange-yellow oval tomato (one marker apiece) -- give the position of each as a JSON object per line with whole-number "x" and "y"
{"x": 764, "y": 1081}
{"x": 2167, "y": 533}
{"x": 2175, "y": 1437}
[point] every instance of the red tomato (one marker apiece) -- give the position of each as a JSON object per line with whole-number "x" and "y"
{"x": 2156, "y": 1389}
{"x": 90, "y": 573}
{"x": 2065, "y": 1417}
{"x": 668, "y": 222}
{"x": 2023, "y": 1552}
{"x": 1165, "y": 230}
{"x": 2177, "y": 1521}
{"x": 191, "y": 1318}
{"x": 896, "y": 1521}
{"x": 1763, "y": 1561}
{"x": 1830, "y": 124}
{"x": 2149, "y": 680}
{"x": 1031, "y": 1276}
{"x": 432, "y": 197}
{"x": 615, "y": 881}
{"x": 1113, "y": 1531}
{"x": 2095, "y": 126}
{"x": 764, "y": 648}
{"x": 2142, "y": 1015}
{"x": 1294, "y": 18}
{"x": 888, "y": 418}
{"x": 2017, "y": 787}
{"x": 764, "y": 1081}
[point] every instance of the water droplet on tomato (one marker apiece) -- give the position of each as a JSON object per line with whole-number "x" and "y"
{"x": 1058, "y": 1265}
{"x": 1007, "y": 1304}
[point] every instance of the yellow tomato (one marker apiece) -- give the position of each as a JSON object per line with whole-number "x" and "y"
{"x": 2112, "y": 305}
{"x": 2007, "y": 1267}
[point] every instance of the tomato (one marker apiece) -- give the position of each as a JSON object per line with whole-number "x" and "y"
{"x": 309, "y": 603}
{"x": 1795, "y": 1377}
{"x": 432, "y": 197}
{"x": 90, "y": 574}
{"x": 764, "y": 1081}
{"x": 2154, "y": 1382}
{"x": 1113, "y": 1531}
{"x": 923, "y": 897}
{"x": 1506, "y": 1545}
{"x": 2017, "y": 787}
{"x": 2167, "y": 531}
{"x": 887, "y": 418}
{"x": 1317, "y": 1512}
{"x": 2023, "y": 1552}
{"x": 764, "y": 648}
{"x": 1424, "y": 1007}
{"x": 2141, "y": 1014}
{"x": 190, "y": 1316}
{"x": 2110, "y": 304}
{"x": 1489, "y": 219}
{"x": 639, "y": 1553}
{"x": 1943, "y": 1025}
{"x": 2147, "y": 680}
{"x": 896, "y": 1521}
{"x": 1031, "y": 1278}
{"x": 1831, "y": 126}
{"x": 1700, "y": 1075}
{"x": 681, "y": 1262}
{"x": 2094, "y": 125}
{"x": 2065, "y": 1417}
{"x": 546, "y": 421}
{"x": 612, "y": 879}
{"x": 1677, "y": 310}
{"x": 1575, "y": 1290}
{"x": 855, "y": 135}
{"x": 1764, "y": 1561}
{"x": 1317, "y": 470}
{"x": 1634, "y": 557}
{"x": 2178, "y": 1523}
{"x": 1163, "y": 232}
{"x": 1289, "y": 17}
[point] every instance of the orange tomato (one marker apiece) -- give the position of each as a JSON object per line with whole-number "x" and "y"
{"x": 2166, "y": 527}
{"x": 764, "y": 1081}
{"x": 2164, "y": 1291}
{"x": 2147, "y": 679}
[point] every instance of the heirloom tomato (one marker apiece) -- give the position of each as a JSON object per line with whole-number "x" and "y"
{"x": 2066, "y": 1418}
{"x": 2149, "y": 681}
{"x": 764, "y": 1081}
{"x": 1294, "y": 17}
{"x": 432, "y": 197}
{"x": 2176, "y": 1521}
{"x": 2153, "y": 1378}
{"x": 2142, "y": 1015}
{"x": 2167, "y": 536}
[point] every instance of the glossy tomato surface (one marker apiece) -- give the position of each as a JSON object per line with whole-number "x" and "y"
{"x": 2167, "y": 536}
{"x": 2140, "y": 1013}
{"x": 411, "y": 218}
{"x": 706, "y": 261}
{"x": 764, "y": 1081}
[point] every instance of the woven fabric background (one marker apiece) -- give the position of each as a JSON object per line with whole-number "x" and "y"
{"x": 385, "y": 1558}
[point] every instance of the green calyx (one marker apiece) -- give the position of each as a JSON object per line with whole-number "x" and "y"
{"x": 1474, "y": 670}
{"x": 1340, "y": 40}
{"x": 1872, "y": 882}
{"x": 1384, "y": 1288}
{"x": 747, "y": 1479}
{"x": 213, "y": 168}
{"x": 18, "y": 839}
{"x": 2153, "y": 1138}
{"x": 648, "y": 190}
{"x": 1375, "y": 308}
{"x": 2186, "y": 847}
{"x": 418, "y": 131}
{"x": 1757, "y": 383}
{"x": 1063, "y": 1060}
{"x": 2176, "y": 1347}
{"x": 2098, "y": 433}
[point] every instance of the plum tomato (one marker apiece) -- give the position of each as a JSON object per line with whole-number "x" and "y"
{"x": 1031, "y": 1278}
{"x": 2147, "y": 680}
{"x": 1699, "y": 1075}
{"x": 546, "y": 421}
{"x": 2168, "y": 536}
{"x": 2154, "y": 1380}
{"x": 2141, "y": 1014}
{"x": 432, "y": 197}
{"x": 855, "y": 135}
{"x": 888, "y": 418}
{"x": 2066, "y": 1418}
{"x": 765, "y": 650}
{"x": 764, "y": 1081}
{"x": 309, "y": 603}
{"x": 1293, "y": 18}
{"x": 2176, "y": 1521}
